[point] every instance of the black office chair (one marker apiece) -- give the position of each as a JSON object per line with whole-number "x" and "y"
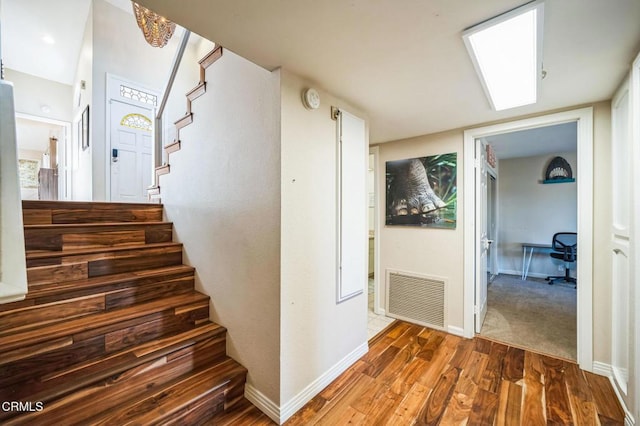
{"x": 565, "y": 247}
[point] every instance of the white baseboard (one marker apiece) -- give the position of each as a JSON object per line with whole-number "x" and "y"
{"x": 297, "y": 402}
{"x": 265, "y": 405}
{"x": 280, "y": 414}
{"x": 455, "y": 330}
{"x": 380, "y": 312}
{"x": 604, "y": 369}
{"x": 628, "y": 419}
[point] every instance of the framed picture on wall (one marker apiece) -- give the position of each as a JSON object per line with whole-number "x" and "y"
{"x": 422, "y": 191}
{"x": 84, "y": 129}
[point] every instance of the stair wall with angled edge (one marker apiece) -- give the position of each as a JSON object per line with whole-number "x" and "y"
{"x": 223, "y": 197}
{"x": 200, "y": 89}
{"x": 112, "y": 330}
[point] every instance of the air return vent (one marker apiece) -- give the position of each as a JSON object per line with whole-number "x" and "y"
{"x": 416, "y": 298}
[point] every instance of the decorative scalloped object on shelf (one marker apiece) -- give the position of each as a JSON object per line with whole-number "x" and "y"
{"x": 558, "y": 171}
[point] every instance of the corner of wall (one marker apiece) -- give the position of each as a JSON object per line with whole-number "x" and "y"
{"x": 311, "y": 320}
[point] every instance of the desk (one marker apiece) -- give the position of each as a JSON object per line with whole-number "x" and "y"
{"x": 527, "y": 262}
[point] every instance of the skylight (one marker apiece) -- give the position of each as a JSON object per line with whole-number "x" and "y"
{"x": 506, "y": 52}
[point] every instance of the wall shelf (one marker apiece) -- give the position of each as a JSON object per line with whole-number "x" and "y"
{"x": 563, "y": 180}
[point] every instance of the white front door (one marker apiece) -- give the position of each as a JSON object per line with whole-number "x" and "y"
{"x": 482, "y": 240}
{"x": 131, "y": 147}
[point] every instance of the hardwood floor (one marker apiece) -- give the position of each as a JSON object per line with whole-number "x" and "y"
{"x": 415, "y": 375}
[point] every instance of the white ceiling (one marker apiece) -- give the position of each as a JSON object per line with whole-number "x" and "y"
{"x": 25, "y": 22}
{"x": 403, "y": 64}
{"x": 558, "y": 138}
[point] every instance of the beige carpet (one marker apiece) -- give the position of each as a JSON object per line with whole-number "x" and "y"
{"x": 532, "y": 314}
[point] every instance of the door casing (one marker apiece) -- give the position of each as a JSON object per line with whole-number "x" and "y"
{"x": 584, "y": 179}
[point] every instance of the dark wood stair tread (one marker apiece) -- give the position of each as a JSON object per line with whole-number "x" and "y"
{"x": 87, "y": 262}
{"x": 67, "y": 380}
{"x": 40, "y": 254}
{"x": 53, "y": 302}
{"x": 10, "y": 341}
{"x": 123, "y": 375}
{"x": 176, "y": 398}
{"x": 96, "y": 225}
{"x": 47, "y": 212}
{"x": 47, "y": 204}
{"x": 65, "y": 237}
{"x": 49, "y": 289}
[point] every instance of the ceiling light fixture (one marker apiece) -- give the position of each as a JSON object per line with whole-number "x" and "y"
{"x": 157, "y": 30}
{"x": 507, "y": 54}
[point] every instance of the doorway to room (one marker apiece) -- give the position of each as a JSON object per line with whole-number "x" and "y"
{"x": 376, "y": 320}
{"x": 584, "y": 186}
{"x": 523, "y": 212}
{"x": 44, "y": 158}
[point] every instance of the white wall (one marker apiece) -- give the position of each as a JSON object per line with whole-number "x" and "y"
{"x": 316, "y": 333}
{"x": 32, "y": 93}
{"x": 223, "y": 196}
{"x": 426, "y": 251}
{"x": 258, "y": 220}
{"x": 531, "y": 212}
{"x": 81, "y": 164}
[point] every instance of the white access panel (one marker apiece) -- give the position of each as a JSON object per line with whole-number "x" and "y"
{"x": 352, "y": 206}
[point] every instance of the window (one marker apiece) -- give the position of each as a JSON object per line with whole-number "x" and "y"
{"x": 136, "y": 121}
{"x": 138, "y": 95}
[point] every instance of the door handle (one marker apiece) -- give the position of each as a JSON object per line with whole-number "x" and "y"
{"x": 114, "y": 155}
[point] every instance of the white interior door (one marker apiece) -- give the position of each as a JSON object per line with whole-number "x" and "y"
{"x": 131, "y": 148}
{"x": 635, "y": 235}
{"x": 621, "y": 237}
{"x": 482, "y": 240}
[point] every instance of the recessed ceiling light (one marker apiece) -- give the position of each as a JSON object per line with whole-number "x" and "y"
{"x": 48, "y": 39}
{"x": 507, "y": 54}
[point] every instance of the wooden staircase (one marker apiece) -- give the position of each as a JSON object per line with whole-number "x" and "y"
{"x": 200, "y": 89}
{"x": 112, "y": 330}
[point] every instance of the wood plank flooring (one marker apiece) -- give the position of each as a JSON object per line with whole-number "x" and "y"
{"x": 415, "y": 375}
